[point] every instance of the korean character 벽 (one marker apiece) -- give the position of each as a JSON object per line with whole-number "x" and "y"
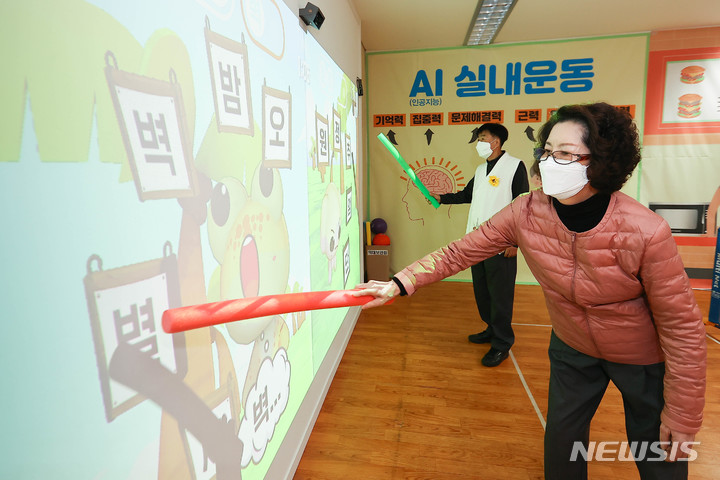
{"x": 260, "y": 409}
{"x": 152, "y": 134}
{"x": 137, "y": 327}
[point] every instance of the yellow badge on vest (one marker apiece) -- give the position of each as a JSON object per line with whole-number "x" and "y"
{"x": 494, "y": 181}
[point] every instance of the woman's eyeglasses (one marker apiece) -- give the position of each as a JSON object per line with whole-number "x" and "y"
{"x": 563, "y": 158}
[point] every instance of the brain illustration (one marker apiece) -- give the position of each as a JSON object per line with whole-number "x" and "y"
{"x": 435, "y": 180}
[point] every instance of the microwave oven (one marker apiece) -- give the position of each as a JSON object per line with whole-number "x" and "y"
{"x": 686, "y": 218}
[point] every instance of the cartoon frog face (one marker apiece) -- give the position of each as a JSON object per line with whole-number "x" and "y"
{"x": 249, "y": 238}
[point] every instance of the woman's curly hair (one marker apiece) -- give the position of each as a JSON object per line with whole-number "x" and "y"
{"x": 611, "y": 136}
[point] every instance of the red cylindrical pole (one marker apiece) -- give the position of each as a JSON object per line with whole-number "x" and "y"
{"x": 207, "y": 314}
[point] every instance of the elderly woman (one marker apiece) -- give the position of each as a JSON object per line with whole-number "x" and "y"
{"x": 620, "y": 302}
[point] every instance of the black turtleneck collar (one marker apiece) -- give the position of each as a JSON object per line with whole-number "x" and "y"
{"x": 491, "y": 163}
{"x": 585, "y": 215}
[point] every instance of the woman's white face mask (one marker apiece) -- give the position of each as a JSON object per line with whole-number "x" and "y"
{"x": 562, "y": 181}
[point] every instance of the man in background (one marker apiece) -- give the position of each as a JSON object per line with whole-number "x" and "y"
{"x": 498, "y": 179}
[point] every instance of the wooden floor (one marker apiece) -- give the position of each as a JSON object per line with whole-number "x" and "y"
{"x": 411, "y": 400}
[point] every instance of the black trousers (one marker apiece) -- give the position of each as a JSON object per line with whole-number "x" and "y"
{"x": 577, "y": 385}
{"x": 494, "y": 287}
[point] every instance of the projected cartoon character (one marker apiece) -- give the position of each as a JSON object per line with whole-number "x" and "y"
{"x": 249, "y": 239}
{"x": 438, "y": 178}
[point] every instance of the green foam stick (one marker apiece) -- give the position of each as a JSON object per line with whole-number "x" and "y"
{"x": 394, "y": 151}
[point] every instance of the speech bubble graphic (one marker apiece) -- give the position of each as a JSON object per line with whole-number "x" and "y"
{"x": 265, "y": 404}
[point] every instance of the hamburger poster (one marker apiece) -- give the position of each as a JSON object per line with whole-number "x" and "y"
{"x": 692, "y": 90}
{"x": 682, "y": 94}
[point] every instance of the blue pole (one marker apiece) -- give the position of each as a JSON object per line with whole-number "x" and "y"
{"x": 714, "y": 315}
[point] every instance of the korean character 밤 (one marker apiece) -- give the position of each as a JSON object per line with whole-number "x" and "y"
{"x": 230, "y": 85}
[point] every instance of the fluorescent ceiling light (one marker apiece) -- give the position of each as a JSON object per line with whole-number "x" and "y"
{"x": 489, "y": 17}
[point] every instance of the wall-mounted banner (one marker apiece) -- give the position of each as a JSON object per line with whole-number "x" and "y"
{"x": 451, "y": 92}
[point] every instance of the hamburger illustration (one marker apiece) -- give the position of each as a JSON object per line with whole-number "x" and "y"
{"x": 692, "y": 74}
{"x": 689, "y": 105}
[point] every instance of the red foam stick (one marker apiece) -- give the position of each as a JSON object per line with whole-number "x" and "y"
{"x": 204, "y": 315}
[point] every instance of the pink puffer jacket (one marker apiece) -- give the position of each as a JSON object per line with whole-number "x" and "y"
{"x": 618, "y": 291}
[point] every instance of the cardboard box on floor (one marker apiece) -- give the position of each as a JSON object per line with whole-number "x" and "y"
{"x": 377, "y": 262}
